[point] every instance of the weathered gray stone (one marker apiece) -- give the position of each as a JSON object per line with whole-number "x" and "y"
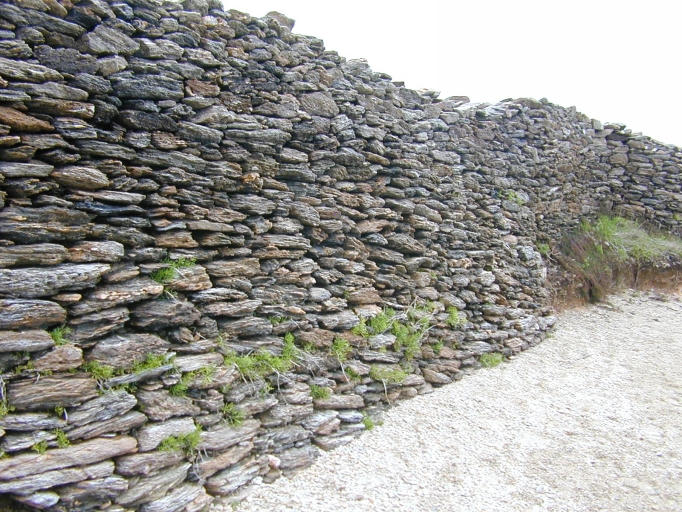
{"x": 25, "y": 341}
{"x": 148, "y": 87}
{"x": 107, "y": 40}
{"x": 91, "y": 492}
{"x": 151, "y": 435}
{"x": 229, "y": 480}
{"x": 51, "y": 391}
{"x": 153, "y": 487}
{"x": 80, "y": 454}
{"x": 80, "y": 177}
{"x": 42, "y": 281}
{"x": 161, "y": 405}
{"x": 210, "y": 466}
{"x": 24, "y": 71}
{"x": 225, "y": 436}
{"x": 38, "y": 254}
{"x": 319, "y": 104}
{"x": 147, "y": 463}
{"x": 161, "y": 314}
{"x": 96, "y": 325}
{"x": 122, "y": 351}
{"x": 340, "y": 402}
{"x": 33, "y": 483}
{"x": 23, "y": 170}
{"x": 105, "y": 297}
{"x": 175, "y": 500}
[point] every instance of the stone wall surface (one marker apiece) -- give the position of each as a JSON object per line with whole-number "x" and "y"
{"x": 199, "y": 207}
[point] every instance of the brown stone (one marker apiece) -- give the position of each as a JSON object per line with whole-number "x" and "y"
{"x": 176, "y": 240}
{"x": 35, "y": 254}
{"x": 79, "y": 177}
{"x": 27, "y": 314}
{"x": 22, "y": 122}
{"x": 122, "y": 351}
{"x": 340, "y": 402}
{"x": 208, "y": 467}
{"x": 51, "y": 391}
{"x": 25, "y": 341}
{"x": 59, "y": 359}
{"x": 79, "y": 454}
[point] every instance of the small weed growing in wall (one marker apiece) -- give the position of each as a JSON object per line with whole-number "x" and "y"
{"x": 62, "y": 440}
{"x": 5, "y": 408}
{"x": 454, "y": 318}
{"x": 168, "y": 273}
{"x": 368, "y": 422}
{"x": 100, "y": 372}
{"x": 437, "y": 347}
{"x": 263, "y": 363}
{"x": 163, "y": 275}
{"x": 341, "y": 349}
{"x": 59, "y": 335}
{"x": 361, "y": 329}
{"x": 233, "y": 416}
{"x": 387, "y": 375}
{"x": 490, "y": 360}
{"x": 543, "y": 248}
{"x": 149, "y": 363}
{"x": 319, "y": 392}
{"x": 186, "y": 443}
{"x": 40, "y": 447}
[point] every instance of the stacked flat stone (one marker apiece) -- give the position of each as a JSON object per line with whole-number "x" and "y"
{"x": 309, "y": 191}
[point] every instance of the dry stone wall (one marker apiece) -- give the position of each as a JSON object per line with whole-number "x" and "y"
{"x": 197, "y": 210}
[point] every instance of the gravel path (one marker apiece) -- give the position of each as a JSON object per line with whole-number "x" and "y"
{"x": 589, "y": 420}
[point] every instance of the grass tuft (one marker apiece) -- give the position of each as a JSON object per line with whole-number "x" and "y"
{"x": 60, "y": 334}
{"x": 490, "y": 360}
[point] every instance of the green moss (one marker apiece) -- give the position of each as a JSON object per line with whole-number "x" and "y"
{"x": 99, "y": 371}
{"x": 181, "y": 262}
{"x": 62, "y": 440}
{"x": 59, "y": 411}
{"x": 490, "y": 360}
{"x": 59, "y": 334}
{"x": 380, "y": 323}
{"x": 352, "y": 375}
{"x": 149, "y": 363}
{"x": 387, "y": 375}
{"x": 40, "y": 447}
{"x": 263, "y": 363}
{"x": 341, "y": 349}
{"x": 5, "y": 408}
{"x": 320, "y": 392}
{"x": 232, "y": 414}
{"x": 361, "y": 329}
{"x": 163, "y": 275}
{"x": 276, "y": 320}
{"x": 438, "y": 346}
{"x": 368, "y": 422}
{"x": 182, "y": 442}
{"x": 454, "y": 319}
{"x": 543, "y": 248}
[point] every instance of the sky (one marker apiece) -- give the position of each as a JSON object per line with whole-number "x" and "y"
{"x": 616, "y": 61}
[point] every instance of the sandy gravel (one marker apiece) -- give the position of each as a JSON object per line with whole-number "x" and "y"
{"x": 590, "y": 420}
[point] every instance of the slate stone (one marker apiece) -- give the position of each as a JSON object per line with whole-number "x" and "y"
{"x": 40, "y": 281}
{"x": 51, "y": 391}
{"x": 148, "y": 87}
{"x": 25, "y": 341}
{"x": 80, "y": 454}
{"x": 121, "y": 351}
{"x": 153, "y": 487}
{"x": 26, "y": 255}
{"x": 86, "y": 178}
{"x": 28, "y": 314}
{"x": 107, "y": 40}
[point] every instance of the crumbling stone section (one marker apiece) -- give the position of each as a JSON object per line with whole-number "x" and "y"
{"x": 197, "y": 211}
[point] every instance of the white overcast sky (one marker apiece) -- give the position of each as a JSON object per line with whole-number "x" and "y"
{"x": 616, "y": 61}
